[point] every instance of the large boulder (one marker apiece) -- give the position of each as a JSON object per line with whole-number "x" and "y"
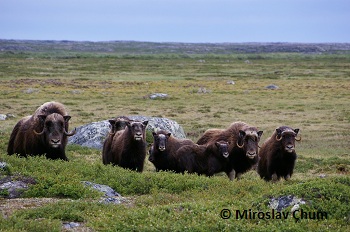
{"x": 93, "y": 134}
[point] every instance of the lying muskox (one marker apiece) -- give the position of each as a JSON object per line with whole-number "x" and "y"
{"x": 127, "y": 147}
{"x": 277, "y": 154}
{"x": 203, "y": 159}
{"x": 243, "y": 149}
{"x": 163, "y": 150}
{"x": 44, "y": 132}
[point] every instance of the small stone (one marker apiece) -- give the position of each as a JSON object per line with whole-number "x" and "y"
{"x": 230, "y": 82}
{"x": 272, "y": 87}
{"x": 3, "y": 165}
{"x": 30, "y": 90}
{"x": 158, "y": 96}
{"x": 70, "y": 225}
{"x": 3, "y": 117}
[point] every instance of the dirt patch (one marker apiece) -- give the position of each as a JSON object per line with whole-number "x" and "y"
{"x": 9, "y": 206}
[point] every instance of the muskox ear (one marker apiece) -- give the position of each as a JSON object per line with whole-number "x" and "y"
{"x": 66, "y": 118}
{"x": 260, "y": 134}
{"x": 278, "y": 131}
{"x": 154, "y": 133}
{"x": 112, "y": 122}
{"x": 169, "y": 134}
{"x": 241, "y": 134}
{"x": 42, "y": 118}
{"x": 145, "y": 123}
{"x": 296, "y": 131}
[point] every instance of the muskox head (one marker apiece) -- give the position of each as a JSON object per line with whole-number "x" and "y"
{"x": 160, "y": 140}
{"x": 222, "y": 147}
{"x": 54, "y": 129}
{"x": 248, "y": 140}
{"x": 287, "y": 136}
{"x": 118, "y": 124}
{"x": 137, "y": 129}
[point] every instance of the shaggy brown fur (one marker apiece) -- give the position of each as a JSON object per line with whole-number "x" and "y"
{"x": 163, "y": 150}
{"x": 277, "y": 154}
{"x": 117, "y": 124}
{"x": 243, "y": 140}
{"x": 203, "y": 159}
{"x": 45, "y": 132}
{"x": 128, "y": 147}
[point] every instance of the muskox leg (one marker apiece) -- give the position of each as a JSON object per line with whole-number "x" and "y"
{"x": 232, "y": 174}
{"x": 274, "y": 177}
{"x": 287, "y": 177}
{"x": 239, "y": 176}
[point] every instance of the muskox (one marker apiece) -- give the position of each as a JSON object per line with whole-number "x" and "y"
{"x": 203, "y": 159}
{"x": 277, "y": 154}
{"x": 44, "y": 132}
{"x": 126, "y": 148}
{"x": 116, "y": 124}
{"x": 163, "y": 150}
{"x": 243, "y": 140}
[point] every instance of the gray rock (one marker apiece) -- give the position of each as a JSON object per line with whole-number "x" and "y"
{"x": 110, "y": 196}
{"x": 158, "y": 96}
{"x": 70, "y": 225}
{"x": 272, "y": 87}
{"x": 93, "y": 134}
{"x": 3, "y": 117}
{"x": 31, "y": 90}
{"x": 3, "y": 165}
{"x": 108, "y": 191}
{"x": 230, "y": 82}
{"x": 14, "y": 188}
{"x": 283, "y": 202}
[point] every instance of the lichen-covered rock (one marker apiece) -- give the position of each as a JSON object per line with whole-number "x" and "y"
{"x": 93, "y": 134}
{"x": 283, "y": 202}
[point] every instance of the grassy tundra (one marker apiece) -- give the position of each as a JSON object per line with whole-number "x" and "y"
{"x": 313, "y": 95}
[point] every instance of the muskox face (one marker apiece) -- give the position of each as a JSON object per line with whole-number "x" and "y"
{"x": 137, "y": 129}
{"x": 160, "y": 140}
{"x": 223, "y": 148}
{"x": 54, "y": 129}
{"x": 248, "y": 140}
{"x": 287, "y": 137}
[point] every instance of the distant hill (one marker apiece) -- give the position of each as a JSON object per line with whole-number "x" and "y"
{"x": 133, "y": 47}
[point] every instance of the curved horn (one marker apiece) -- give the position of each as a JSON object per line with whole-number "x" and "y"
{"x": 39, "y": 133}
{"x": 298, "y": 139}
{"x": 240, "y": 146}
{"x": 71, "y": 133}
{"x": 278, "y": 139}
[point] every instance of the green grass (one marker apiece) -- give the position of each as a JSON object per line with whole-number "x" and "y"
{"x": 313, "y": 96}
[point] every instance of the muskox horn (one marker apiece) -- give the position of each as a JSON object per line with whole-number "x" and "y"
{"x": 39, "y": 133}
{"x": 279, "y": 139}
{"x": 71, "y": 133}
{"x": 298, "y": 139}
{"x": 240, "y": 146}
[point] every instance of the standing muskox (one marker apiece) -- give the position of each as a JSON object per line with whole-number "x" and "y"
{"x": 127, "y": 147}
{"x": 163, "y": 150}
{"x": 203, "y": 159}
{"x": 44, "y": 132}
{"x": 243, "y": 140}
{"x": 277, "y": 154}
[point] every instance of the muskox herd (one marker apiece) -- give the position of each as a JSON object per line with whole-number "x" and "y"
{"x": 234, "y": 150}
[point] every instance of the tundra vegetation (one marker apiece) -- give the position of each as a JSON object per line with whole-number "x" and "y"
{"x": 313, "y": 95}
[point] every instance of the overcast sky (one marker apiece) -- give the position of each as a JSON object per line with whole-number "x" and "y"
{"x": 177, "y": 20}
